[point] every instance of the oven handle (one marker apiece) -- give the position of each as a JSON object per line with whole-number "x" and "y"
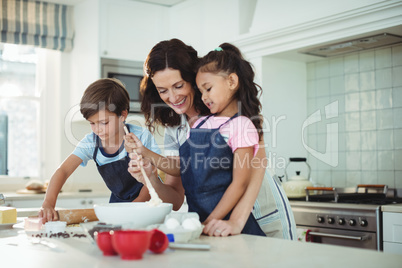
{"x": 358, "y": 238}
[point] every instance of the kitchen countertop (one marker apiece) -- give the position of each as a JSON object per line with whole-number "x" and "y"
{"x": 392, "y": 208}
{"x": 234, "y": 251}
{"x": 15, "y": 196}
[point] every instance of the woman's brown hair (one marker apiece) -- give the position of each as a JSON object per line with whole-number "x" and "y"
{"x": 176, "y": 55}
{"x": 106, "y": 93}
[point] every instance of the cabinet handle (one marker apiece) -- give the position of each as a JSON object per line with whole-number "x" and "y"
{"x": 90, "y": 202}
{"x": 83, "y": 202}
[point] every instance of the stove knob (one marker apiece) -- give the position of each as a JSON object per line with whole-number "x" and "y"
{"x": 320, "y": 219}
{"x": 363, "y": 223}
{"x": 331, "y": 220}
{"x": 352, "y": 222}
{"x": 341, "y": 221}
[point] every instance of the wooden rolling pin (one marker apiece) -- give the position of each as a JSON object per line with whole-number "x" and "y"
{"x": 74, "y": 216}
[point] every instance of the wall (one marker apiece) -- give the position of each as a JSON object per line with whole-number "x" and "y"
{"x": 368, "y": 87}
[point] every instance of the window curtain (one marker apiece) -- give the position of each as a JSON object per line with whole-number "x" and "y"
{"x": 37, "y": 23}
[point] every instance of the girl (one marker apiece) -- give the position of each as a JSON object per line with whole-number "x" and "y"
{"x": 171, "y": 99}
{"x": 105, "y": 104}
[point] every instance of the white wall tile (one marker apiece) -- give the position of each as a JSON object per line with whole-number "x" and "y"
{"x": 368, "y": 120}
{"x": 368, "y": 86}
{"x": 322, "y": 102}
{"x": 397, "y": 55}
{"x": 383, "y": 78}
{"x": 398, "y": 160}
{"x": 369, "y": 160}
{"x": 386, "y": 177}
{"x": 385, "y": 160}
{"x": 398, "y": 139}
{"x": 367, "y": 100}
{"x": 397, "y": 117}
{"x": 383, "y": 58}
{"x": 341, "y": 102}
{"x": 397, "y": 97}
{"x": 385, "y": 139}
{"x": 311, "y": 106}
{"x": 351, "y": 82}
{"x": 367, "y": 80}
{"x": 322, "y": 69}
{"x": 351, "y": 63}
{"x": 353, "y": 178}
{"x": 337, "y": 85}
{"x": 352, "y": 102}
{"x": 384, "y": 98}
{"x": 311, "y": 93}
{"x": 398, "y": 179}
{"x": 336, "y": 66}
{"x": 397, "y": 76}
{"x": 311, "y": 71}
{"x": 353, "y": 141}
{"x": 367, "y": 61}
{"x": 385, "y": 119}
{"x": 341, "y": 161}
{"x": 369, "y": 140}
{"x": 353, "y": 161}
{"x": 322, "y": 87}
{"x": 352, "y": 121}
{"x": 370, "y": 177}
{"x": 323, "y": 178}
{"x": 339, "y": 179}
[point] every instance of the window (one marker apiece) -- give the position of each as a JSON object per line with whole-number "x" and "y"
{"x": 19, "y": 111}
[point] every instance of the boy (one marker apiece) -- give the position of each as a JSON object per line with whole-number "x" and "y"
{"x": 105, "y": 104}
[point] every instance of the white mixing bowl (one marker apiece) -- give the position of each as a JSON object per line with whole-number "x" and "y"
{"x": 136, "y": 214}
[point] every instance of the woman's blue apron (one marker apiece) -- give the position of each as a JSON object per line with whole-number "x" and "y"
{"x": 206, "y": 167}
{"x": 123, "y": 186}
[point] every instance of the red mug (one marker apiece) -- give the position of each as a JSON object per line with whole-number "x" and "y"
{"x": 132, "y": 244}
{"x": 104, "y": 242}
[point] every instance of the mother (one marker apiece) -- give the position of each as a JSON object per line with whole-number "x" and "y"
{"x": 171, "y": 99}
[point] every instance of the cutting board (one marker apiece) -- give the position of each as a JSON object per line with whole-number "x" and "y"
{"x": 74, "y": 216}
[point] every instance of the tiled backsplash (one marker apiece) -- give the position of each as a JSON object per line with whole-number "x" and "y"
{"x": 368, "y": 88}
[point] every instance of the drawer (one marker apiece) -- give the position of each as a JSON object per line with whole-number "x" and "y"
{"x": 392, "y": 227}
{"x": 390, "y": 247}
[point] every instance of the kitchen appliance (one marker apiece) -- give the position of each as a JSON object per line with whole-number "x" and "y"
{"x": 130, "y": 73}
{"x": 295, "y": 186}
{"x": 344, "y": 217}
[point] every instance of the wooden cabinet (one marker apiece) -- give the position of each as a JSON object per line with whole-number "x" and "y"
{"x": 392, "y": 232}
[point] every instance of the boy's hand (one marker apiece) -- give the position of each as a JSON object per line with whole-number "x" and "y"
{"x": 133, "y": 144}
{"x": 134, "y": 167}
{"x": 48, "y": 213}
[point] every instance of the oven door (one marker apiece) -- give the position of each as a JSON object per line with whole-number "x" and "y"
{"x": 338, "y": 237}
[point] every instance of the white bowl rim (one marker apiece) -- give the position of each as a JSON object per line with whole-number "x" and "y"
{"x": 132, "y": 204}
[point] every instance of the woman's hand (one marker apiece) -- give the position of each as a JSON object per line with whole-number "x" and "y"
{"x": 221, "y": 228}
{"x": 133, "y": 144}
{"x": 134, "y": 167}
{"x": 48, "y": 213}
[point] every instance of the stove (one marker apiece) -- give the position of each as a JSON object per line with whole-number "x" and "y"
{"x": 343, "y": 218}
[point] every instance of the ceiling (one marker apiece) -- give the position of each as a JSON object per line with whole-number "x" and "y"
{"x": 167, "y": 3}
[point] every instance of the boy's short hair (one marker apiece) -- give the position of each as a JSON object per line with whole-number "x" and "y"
{"x": 106, "y": 93}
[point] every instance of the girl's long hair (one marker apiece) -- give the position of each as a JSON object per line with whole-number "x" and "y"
{"x": 176, "y": 55}
{"x": 228, "y": 59}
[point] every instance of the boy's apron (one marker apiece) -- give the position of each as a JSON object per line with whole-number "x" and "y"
{"x": 123, "y": 186}
{"x": 206, "y": 167}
